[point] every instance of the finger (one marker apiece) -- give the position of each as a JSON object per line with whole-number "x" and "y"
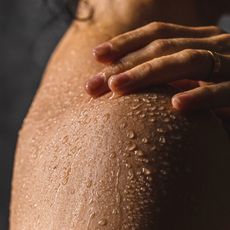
{"x": 158, "y": 48}
{"x": 185, "y": 84}
{"x": 187, "y": 64}
{"x": 131, "y": 41}
{"x": 207, "y": 97}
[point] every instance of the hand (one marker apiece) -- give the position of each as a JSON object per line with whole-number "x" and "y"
{"x": 160, "y": 53}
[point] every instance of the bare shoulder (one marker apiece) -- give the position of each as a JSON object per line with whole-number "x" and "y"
{"x": 126, "y": 163}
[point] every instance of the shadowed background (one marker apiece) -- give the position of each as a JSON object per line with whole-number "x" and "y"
{"x": 29, "y": 31}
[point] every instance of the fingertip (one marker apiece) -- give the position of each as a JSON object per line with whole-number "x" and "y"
{"x": 103, "y": 52}
{"x": 182, "y": 101}
{"x": 96, "y": 86}
{"x": 176, "y": 103}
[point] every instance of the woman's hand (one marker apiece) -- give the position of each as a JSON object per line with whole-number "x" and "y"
{"x": 160, "y": 53}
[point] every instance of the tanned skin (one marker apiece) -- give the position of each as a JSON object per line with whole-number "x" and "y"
{"x": 130, "y": 162}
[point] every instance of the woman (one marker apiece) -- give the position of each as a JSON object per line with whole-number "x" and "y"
{"x": 130, "y": 162}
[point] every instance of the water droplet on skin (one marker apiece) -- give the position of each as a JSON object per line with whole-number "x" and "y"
{"x": 112, "y": 155}
{"x": 72, "y": 191}
{"x": 152, "y": 119}
{"x": 131, "y": 134}
{"x": 130, "y": 174}
{"x": 161, "y": 108}
{"x": 115, "y": 211}
{"x": 153, "y": 108}
{"x": 138, "y": 153}
{"x": 123, "y": 125}
{"x": 162, "y": 140}
{"x": 173, "y": 117}
{"x": 136, "y": 106}
{"x": 107, "y": 116}
{"x": 132, "y": 146}
{"x": 144, "y": 140}
{"x": 146, "y": 161}
{"x": 149, "y": 178}
{"x": 89, "y": 183}
{"x": 66, "y": 177}
{"x": 146, "y": 171}
{"x": 166, "y": 120}
{"x": 127, "y": 165}
{"x": 102, "y": 222}
{"x": 65, "y": 139}
{"x": 160, "y": 130}
{"x": 138, "y": 112}
{"x": 153, "y": 148}
{"x": 142, "y": 115}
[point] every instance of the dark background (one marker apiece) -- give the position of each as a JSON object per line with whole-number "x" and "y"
{"x": 29, "y": 31}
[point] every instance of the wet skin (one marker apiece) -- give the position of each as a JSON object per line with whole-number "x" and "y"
{"x": 124, "y": 163}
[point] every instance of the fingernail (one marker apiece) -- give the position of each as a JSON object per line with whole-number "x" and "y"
{"x": 95, "y": 85}
{"x": 102, "y": 50}
{"x": 181, "y": 100}
{"x": 121, "y": 82}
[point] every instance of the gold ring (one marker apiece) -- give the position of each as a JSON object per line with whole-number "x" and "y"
{"x": 216, "y": 64}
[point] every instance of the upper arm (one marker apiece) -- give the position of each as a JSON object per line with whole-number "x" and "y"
{"x": 127, "y": 163}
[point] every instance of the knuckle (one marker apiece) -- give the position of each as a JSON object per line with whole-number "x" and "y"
{"x": 161, "y": 44}
{"x": 208, "y": 92}
{"x": 147, "y": 68}
{"x": 121, "y": 39}
{"x": 121, "y": 65}
{"x": 158, "y": 27}
{"x": 191, "y": 55}
{"x": 221, "y": 42}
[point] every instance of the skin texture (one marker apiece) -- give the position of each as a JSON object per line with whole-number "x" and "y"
{"x": 123, "y": 163}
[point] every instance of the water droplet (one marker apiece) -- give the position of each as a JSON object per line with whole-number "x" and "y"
{"x": 153, "y": 108}
{"x": 160, "y": 130}
{"x": 149, "y": 178}
{"x": 153, "y": 148}
{"x": 131, "y": 146}
{"x": 107, "y": 116}
{"x": 136, "y": 106}
{"x": 138, "y": 153}
{"x": 173, "y": 117}
{"x": 138, "y": 112}
{"x": 152, "y": 119}
{"x": 146, "y": 171}
{"x": 127, "y": 165}
{"x": 123, "y": 125}
{"x": 115, "y": 211}
{"x": 130, "y": 174}
{"x": 144, "y": 140}
{"x": 142, "y": 115}
{"x": 161, "y": 108}
{"x": 65, "y": 139}
{"x": 112, "y": 155}
{"x": 89, "y": 183}
{"x": 131, "y": 134}
{"x": 162, "y": 140}
{"x": 102, "y": 222}
{"x": 166, "y": 120}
